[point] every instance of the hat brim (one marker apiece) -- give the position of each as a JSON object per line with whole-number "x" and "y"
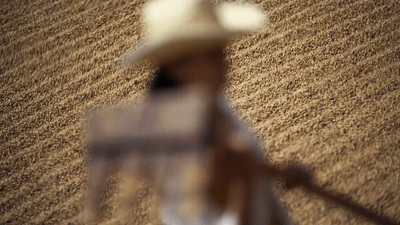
{"x": 176, "y": 47}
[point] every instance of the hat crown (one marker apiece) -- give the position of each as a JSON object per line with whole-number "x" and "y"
{"x": 166, "y": 18}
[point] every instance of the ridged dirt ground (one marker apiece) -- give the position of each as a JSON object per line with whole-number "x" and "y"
{"x": 320, "y": 85}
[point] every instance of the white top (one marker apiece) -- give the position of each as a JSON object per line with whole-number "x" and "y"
{"x": 181, "y": 184}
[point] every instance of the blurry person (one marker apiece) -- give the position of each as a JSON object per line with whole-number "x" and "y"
{"x": 187, "y": 39}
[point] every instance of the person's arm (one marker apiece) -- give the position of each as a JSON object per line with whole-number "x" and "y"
{"x": 264, "y": 206}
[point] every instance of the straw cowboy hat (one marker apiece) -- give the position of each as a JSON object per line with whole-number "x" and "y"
{"x": 179, "y": 27}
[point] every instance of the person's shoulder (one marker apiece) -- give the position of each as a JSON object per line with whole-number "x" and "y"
{"x": 237, "y": 125}
{"x": 230, "y": 111}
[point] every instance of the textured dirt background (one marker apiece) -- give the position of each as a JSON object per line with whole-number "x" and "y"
{"x": 320, "y": 85}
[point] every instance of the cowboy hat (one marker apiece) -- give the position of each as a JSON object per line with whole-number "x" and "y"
{"x": 179, "y": 27}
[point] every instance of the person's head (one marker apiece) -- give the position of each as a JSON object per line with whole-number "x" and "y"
{"x": 204, "y": 68}
{"x": 181, "y": 36}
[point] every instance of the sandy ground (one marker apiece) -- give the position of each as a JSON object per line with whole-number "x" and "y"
{"x": 320, "y": 85}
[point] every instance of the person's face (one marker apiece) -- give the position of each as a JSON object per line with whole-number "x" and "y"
{"x": 207, "y": 68}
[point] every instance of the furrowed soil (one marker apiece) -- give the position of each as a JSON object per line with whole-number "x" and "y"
{"x": 320, "y": 85}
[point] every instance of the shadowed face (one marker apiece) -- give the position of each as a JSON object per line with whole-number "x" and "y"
{"x": 207, "y": 68}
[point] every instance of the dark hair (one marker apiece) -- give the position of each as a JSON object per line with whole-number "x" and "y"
{"x": 163, "y": 80}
